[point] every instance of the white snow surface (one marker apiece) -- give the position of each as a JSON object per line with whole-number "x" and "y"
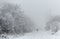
{"x": 37, "y": 35}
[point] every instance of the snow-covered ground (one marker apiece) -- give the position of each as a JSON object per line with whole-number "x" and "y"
{"x": 38, "y": 35}
{"x": 41, "y": 35}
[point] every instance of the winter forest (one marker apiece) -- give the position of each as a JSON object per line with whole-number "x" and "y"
{"x": 29, "y": 19}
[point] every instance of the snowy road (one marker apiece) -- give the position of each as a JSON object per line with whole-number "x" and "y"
{"x": 38, "y": 35}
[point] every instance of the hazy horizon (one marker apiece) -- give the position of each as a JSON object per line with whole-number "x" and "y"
{"x": 38, "y": 10}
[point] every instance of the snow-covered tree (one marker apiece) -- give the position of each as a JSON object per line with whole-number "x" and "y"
{"x": 12, "y": 20}
{"x": 53, "y": 24}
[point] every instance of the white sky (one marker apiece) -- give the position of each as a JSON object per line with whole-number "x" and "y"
{"x": 39, "y": 10}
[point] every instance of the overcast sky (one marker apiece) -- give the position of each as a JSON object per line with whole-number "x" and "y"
{"x": 39, "y": 10}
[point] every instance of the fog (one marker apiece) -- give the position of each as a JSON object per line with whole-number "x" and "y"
{"x": 40, "y": 11}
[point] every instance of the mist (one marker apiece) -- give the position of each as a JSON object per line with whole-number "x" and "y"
{"x": 39, "y": 19}
{"x": 40, "y": 11}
